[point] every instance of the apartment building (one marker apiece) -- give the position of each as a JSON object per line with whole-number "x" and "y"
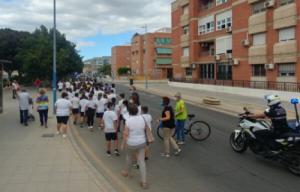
{"x": 121, "y": 57}
{"x": 92, "y": 65}
{"x": 152, "y": 52}
{"x": 247, "y": 40}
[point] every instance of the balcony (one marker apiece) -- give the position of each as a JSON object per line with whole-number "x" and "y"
{"x": 185, "y": 61}
{"x": 209, "y": 4}
{"x": 185, "y": 44}
{"x": 185, "y": 38}
{"x": 258, "y": 54}
{"x": 287, "y": 79}
{"x": 285, "y": 16}
{"x": 184, "y": 20}
{"x": 184, "y": 2}
{"x": 175, "y": 5}
{"x": 163, "y": 61}
{"x": 285, "y": 52}
{"x": 258, "y": 23}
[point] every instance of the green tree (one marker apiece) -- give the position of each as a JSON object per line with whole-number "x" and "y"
{"x": 123, "y": 71}
{"x": 105, "y": 70}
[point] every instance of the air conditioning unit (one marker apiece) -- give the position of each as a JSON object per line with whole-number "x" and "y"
{"x": 229, "y": 55}
{"x": 218, "y": 57}
{"x": 236, "y": 62}
{"x": 204, "y": 45}
{"x": 193, "y": 66}
{"x": 229, "y": 29}
{"x": 269, "y": 3}
{"x": 269, "y": 66}
{"x": 246, "y": 42}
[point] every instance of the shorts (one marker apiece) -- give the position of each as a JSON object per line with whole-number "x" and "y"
{"x": 82, "y": 114}
{"x": 62, "y": 119}
{"x": 99, "y": 115}
{"x": 110, "y": 136}
{"x": 75, "y": 111}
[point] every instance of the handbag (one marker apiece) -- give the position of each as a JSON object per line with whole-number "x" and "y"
{"x": 149, "y": 136}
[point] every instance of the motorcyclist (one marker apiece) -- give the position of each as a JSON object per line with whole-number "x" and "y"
{"x": 278, "y": 116}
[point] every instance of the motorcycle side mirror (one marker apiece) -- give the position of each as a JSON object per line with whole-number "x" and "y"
{"x": 294, "y": 101}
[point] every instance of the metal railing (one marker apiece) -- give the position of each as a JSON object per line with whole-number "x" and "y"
{"x": 269, "y": 85}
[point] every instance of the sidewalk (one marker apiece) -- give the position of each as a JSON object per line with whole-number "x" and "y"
{"x": 30, "y": 162}
{"x": 230, "y": 103}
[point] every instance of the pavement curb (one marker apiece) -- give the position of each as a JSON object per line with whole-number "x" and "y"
{"x": 99, "y": 179}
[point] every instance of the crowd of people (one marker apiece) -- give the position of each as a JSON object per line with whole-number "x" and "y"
{"x": 124, "y": 120}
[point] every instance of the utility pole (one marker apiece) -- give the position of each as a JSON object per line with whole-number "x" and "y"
{"x": 145, "y": 60}
{"x": 54, "y": 56}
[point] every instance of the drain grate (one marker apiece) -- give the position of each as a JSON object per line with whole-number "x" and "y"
{"x": 48, "y": 135}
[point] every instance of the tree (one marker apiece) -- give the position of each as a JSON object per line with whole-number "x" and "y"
{"x": 105, "y": 69}
{"x": 123, "y": 71}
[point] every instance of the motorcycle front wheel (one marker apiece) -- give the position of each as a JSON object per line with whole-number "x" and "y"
{"x": 294, "y": 167}
{"x": 238, "y": 144}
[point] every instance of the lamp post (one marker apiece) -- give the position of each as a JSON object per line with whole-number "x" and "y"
{"x": 2, "y": 62}
{"x": 54, "y": 56}
{"x": 145, "y": 60}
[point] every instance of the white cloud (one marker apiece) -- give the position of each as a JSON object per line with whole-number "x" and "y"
{"x": 85, "y": 18}
{"x": 86, "y": 44}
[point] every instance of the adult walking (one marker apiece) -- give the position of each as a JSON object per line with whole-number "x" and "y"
{"x": 134, "y": 138}
{"x": 168, "y": 125}
{"x": 42, "y": 103}
{"x": 90, "y": 112}
{"x": 180, "y": 117}
{"x": 63, "y": 107}
{"x": 24, "y": 98}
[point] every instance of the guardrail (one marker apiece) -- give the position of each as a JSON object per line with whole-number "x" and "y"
{"x": 269, "y": 85}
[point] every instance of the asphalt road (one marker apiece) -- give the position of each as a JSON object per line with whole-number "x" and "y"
{"x": 209, "y": 166}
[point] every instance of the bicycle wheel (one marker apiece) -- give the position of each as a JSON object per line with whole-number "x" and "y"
{"x": 200, "y": 130}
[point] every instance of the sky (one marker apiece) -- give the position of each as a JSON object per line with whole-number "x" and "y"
{"x": 93, "y": 25}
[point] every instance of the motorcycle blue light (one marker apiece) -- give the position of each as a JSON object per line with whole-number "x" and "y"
{"x": 294, "y": 101}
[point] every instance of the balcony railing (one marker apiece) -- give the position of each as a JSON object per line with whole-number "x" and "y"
{"x": 208, "y": 5}
{"x": 269, "y": 85}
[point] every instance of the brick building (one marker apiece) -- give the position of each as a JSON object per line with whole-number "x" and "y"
{"x": 153, "y": 50}
{"x": 121, "y": 57}
{"x": 247, "y": 40}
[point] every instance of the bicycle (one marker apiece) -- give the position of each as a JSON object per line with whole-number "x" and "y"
{"x": 198, "y": 130}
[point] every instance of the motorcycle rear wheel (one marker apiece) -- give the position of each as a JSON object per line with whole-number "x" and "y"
{"x": 295, "y": 165}
{"x": 238, "y": 145}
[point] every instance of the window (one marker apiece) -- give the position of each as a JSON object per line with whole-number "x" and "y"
{"x": 220, "y": 2}
{"x": 258, "y": 70}
{"x": 163, "y": 41}
{"x": 188, "y": 71}
{"x": 224, "y": 20}
{"x": 186, "y": 51}
{"x": 258, "y": 7}
{"x": 224, "y": 71}
{"x": 259, "y": 39}
{"x": 206, "y": 25}
{"x": 287, "y": 70}
{"x": 207, "y": 71}
{"x": 185, "y": 30}
{"x": 185, "y": 10}
{"x": 285, "y": 2}
{"x": 223, "y": 45}
{"x": 287, "y": 34}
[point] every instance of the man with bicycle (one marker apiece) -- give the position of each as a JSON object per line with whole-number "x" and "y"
{"x": 180, "y": 117}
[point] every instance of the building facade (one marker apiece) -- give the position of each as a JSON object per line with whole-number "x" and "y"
{"x": 121, "y": 57}
{"x": 236, "y": 40}
{"x": 92, "y": 65}
{"x": 152, "y": 52}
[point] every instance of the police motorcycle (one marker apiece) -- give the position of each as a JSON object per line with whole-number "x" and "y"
{"x": 287, "y": 150}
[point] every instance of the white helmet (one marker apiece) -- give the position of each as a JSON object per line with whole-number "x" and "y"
{"x": 272, "y": 99}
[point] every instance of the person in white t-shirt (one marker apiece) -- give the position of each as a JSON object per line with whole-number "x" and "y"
{"x": 110, "y": 119}
{"x": 75, "y": 108}
{"x": 111, "y": 95}
{"x": 90, "y": 112}
{"x": 101, "y": 106}
{"x": 148, "y": 119}
{"x": 60, "y": 86}
{"x": 82, "y": 103}
{"x": 134, "y": 137}
{"x": 62, "y": 109}
{"x": 68, "y": 85}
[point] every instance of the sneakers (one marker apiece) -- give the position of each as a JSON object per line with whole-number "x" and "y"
{"x": 64, "y": 136}
{"x": 58, "y": 133}
{"x": 108, "y": 153}
{"x": 91, "y": 128}
{"x": 181, "y": 143}
{"x": 116, "y": 152}
{"x": 135, "y": 165}
{"x": 177, "y": 152}
{"x": 165, "y": 155}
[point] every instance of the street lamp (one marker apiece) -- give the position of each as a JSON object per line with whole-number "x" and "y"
{"x": 145, "y": 60}
{"x": 54, "y": 56}
{"x": 1, "y": 82}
